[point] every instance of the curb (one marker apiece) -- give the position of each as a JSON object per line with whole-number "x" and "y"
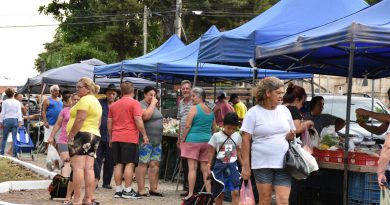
{"x": 27, "y": 185}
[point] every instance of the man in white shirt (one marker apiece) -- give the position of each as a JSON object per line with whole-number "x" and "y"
{"x": 10, "y": 118}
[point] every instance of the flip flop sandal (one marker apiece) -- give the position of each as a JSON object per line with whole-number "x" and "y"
{"x": 152, "y": 193}
{"x": 67, "y": 202}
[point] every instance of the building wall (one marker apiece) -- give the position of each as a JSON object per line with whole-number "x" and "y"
{"x": 2, "y": 88}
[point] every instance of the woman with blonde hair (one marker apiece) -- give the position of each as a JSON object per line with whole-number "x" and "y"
{"x": 269, "y": 125}
{"x": 83, "y": 139}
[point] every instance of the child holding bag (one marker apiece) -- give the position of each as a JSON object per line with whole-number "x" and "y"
{"x": 225, "y": 172}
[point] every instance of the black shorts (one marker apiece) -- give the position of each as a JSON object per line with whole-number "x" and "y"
{"x": 124, "y": 153}
{"x": 84, "y": 143}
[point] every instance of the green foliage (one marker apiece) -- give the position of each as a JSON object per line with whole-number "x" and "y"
{"x": 111, "y": 30}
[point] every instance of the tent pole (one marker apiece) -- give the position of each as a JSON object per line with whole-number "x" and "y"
{"x": 372, "y": 103}
{"x": 254, "y": 83}
{"x": 196, "y": 73}
{"x": 215, "y": 91}
{"x": 157, "y": 75}
{"x": 29, "y": 109}
{"x": 348, "y": 119}
{"x": 312, "y": 86}
{"x": 40, "y": 117}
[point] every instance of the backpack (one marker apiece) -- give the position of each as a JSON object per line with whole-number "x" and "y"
{"x": 58, "y": 187}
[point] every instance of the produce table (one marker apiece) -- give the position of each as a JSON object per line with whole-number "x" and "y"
{"x": 169, "y": 155}
{"x": 353, "y": 168}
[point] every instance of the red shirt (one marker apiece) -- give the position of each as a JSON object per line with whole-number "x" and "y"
{"x": 122, "y": 113}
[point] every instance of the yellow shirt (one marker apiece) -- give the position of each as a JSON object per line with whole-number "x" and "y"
{"x": 240, "y": 110}
{"x": 90, "y": 104}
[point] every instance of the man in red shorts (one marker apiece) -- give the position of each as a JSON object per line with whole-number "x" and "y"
{"x": 124, "y": 125}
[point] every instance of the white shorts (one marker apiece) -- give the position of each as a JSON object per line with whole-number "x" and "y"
{"x": 48, "y": 132}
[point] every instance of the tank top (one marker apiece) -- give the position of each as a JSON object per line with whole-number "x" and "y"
{"x": 200, "y": 130}
{"x": 53, "y": 110}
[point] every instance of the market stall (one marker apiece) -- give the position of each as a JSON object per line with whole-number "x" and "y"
{"x": 354, "y": 46}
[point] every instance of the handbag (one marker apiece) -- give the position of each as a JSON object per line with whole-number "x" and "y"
{"x": 294, "y": 161}
{"x": 58, "y": 187}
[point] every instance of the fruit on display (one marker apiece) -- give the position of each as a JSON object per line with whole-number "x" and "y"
{"x": 361, "y": 119}
{"x": 171, "y": 126}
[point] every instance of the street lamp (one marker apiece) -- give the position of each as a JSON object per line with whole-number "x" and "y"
{"x": 197, "y": 12}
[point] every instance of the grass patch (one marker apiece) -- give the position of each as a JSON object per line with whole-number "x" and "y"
{"x": 10, "y": 171}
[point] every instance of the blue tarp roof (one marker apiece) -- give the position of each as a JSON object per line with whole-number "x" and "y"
{"x": 285, "y": 18}
{"x": 325, "y": 50}
{"x": 182, "y": 63}
{"x": 67, "y": 76}
{"x": 150, "y": 64}
{"x": 170, "y": 45}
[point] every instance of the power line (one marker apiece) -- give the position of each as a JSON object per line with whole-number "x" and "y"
{"x": 170, "y": 13}
{"x": 71, "y": 23}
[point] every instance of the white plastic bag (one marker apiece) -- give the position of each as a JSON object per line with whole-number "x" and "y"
{"x": 310, "y": 138}
{"x": 310, "y": 160}
{"x": 330, "y": 130}
{"x": 53, "y": 158}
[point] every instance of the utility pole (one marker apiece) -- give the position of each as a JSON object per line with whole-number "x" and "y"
{"x": 178, "y": 18}
{"x": 145, "y": 28}
{"x": 42, "y": 64}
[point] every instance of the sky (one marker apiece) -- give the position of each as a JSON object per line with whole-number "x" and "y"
{"x": 19, "y": 47}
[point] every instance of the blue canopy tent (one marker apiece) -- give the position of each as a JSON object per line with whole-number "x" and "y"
{"x": 355, "y": 46}
{"x": 115, "y": 69}
{"x": 287, "y": 17}
{"x": 183, "y": 62}
{"x": 214, "y": 72}
{"x": 67, "y": 76}
{"x": 368, "y": 31}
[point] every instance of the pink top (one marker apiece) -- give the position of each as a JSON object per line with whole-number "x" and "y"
{"x": 65, "y": 113}
{"x": 221, "y": 109}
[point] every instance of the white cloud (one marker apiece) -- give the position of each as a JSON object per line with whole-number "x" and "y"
{"x": 19, "y": 47}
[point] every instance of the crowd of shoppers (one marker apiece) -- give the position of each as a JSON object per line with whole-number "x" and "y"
{"x": 125, "y": 135}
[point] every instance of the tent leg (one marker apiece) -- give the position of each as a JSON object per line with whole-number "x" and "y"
{"x": 196, "y": 73}
{"x": 215, "y": 92}
{"x": 348, "y": 119}
{"x": 372, "y": 103}
{"x": 254, "y": 84}
{"x": 312, "y": 86}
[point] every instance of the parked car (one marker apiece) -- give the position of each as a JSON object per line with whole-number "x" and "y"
{"x": 337, "y": 105}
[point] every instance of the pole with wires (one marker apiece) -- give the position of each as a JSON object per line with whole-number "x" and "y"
{"x": 178, "y": 18}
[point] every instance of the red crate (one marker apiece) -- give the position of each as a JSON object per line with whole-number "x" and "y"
{"x": 336, "y": 156}
{"x": 323, "y": 155}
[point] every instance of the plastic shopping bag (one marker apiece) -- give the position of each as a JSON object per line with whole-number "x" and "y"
{"x": 298, "y": 162}
{"x": 246, "y": 193}
{"x": 53, "y": 159}
{"x": 310, "y": 161}
{"x": 385, "y": 196}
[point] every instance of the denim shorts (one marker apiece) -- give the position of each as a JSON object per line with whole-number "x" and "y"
{"x": 276, "y": 177}
{"x": 228, "y": 174}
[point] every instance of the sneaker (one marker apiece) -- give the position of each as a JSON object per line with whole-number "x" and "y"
{"x": 130, "y": 195}
{"x": 118, "y": 194}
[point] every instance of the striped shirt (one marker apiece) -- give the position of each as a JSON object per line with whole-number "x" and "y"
{"x": 182, "y": 113}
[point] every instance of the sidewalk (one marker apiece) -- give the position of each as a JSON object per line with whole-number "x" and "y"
{"x": 104, "y": 196}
